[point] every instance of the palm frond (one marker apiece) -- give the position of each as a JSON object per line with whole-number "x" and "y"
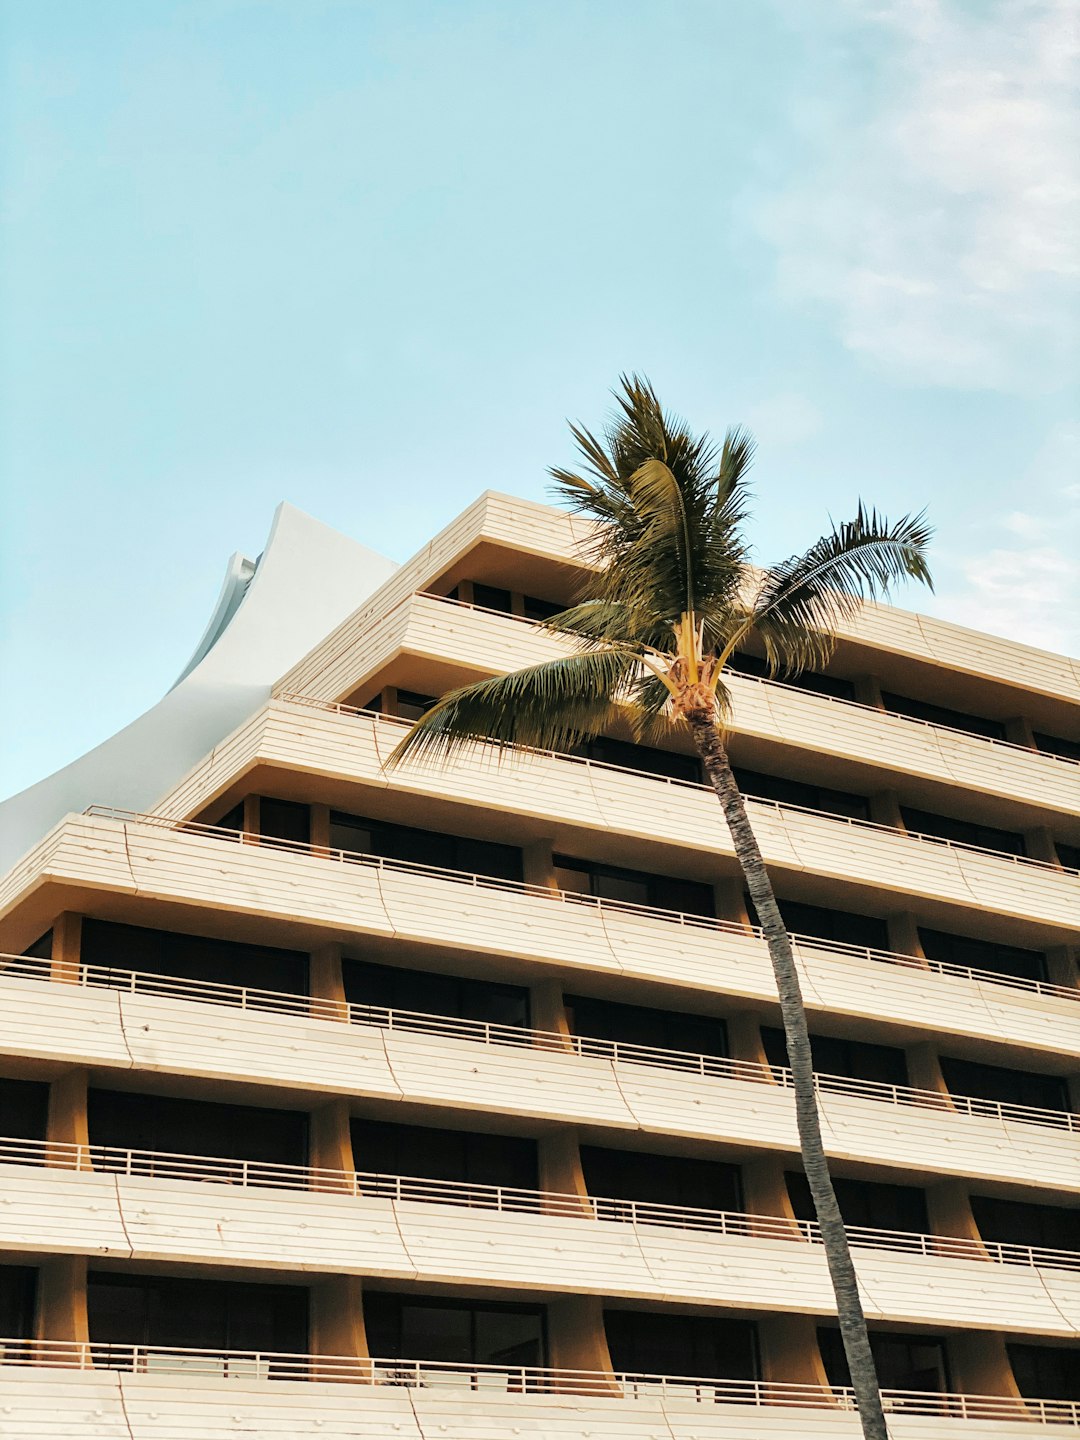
{"x": 800, "y": 602}
{"x": 550, "y": 706}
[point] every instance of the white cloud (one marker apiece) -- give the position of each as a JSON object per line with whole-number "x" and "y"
{"x": 939, "y": 224}
{"x": 1024, "y": 581}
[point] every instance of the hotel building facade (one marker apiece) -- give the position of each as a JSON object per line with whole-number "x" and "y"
{"x": 451, "y": 1102}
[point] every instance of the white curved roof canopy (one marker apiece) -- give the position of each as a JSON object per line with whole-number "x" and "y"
{"x": 269, "y": 614}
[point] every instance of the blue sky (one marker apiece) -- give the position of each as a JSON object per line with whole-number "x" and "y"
{"x": 368, "y": 255}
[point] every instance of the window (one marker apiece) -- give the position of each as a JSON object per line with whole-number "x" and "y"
{"x": 1056, "y": 745}
{"x": 855, "y": 1059}
{"x": 949, "y": 949}
{"x": 661, "y": 1179}
{"x": 636, "y": 887}
{"x": 424, "y": 847}
{"x": 196, "y": 1313}
{"x": 963, "y": 832}
{"x": 18, "y": 1290}
{"x": 533, "y": 608}
{"x": 1017, "y": 1222}
{"x": 903, "y": 1362}
{"x": 193, "y": 957}
{"x": 127, "y": 1121}
{"x": 841, "y": 926}
{"x": 942, "y": 715}
{"x": 649, "y": 1342}
{"x": 24, "y": 1108}
{"x": 386, "y": 1148}
{"x": 759, "y": 786}
{"x": 1007, "y": 1087}
{"x": 869, "y": 1203}
{"x": 641, "y": 757}
{"x": 429, "y": 993}
{"x": 642, "y": 1025}
{"x": 1069, "y": 855}
{"x": 492, "y": 597}
{"x": 746, "y": 664}
{"x": 415, "y": 1327}
{"x": 1046, "y": 1372}
{"x": 232, "y": 820}
{"x": 285, "y": 820}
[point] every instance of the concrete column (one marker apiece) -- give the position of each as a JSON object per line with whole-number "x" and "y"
{"x": 765, "y": 1191}
{"x": 948, "y": 1206}
{"x": 924, "y": 1071}
{"x": 331, "y": 1146}
{"x": 465, "y": 591}
{"x": 67, "y": 1123}
{"x": 536, "y": 864}
{"x": 1019, "y": 731}
{"x": 730, "y": 902}
{"x": 1062, "y": 966}
{"x": 789, "y": 1350}
{"x": 251, "y": 822}
{"x": 320, "y": 829}
{"x": 337, "y": 1329}
{"x": 979, "y": 1364}
{"x": 576, "y": 1338}
{"x": 66, "y": 947}
{"x": 885, "y": 809}
{"x": 744, "y": 1037}
{"x": 61, "y": 1310}
{"x": 560, "y": 1167}
{"x": 1039, "y": 843}
{"x": 327, "y": 983}
{"x": 903, "y": 932}
{"x": 517, "y": 602}
{"x": 868, "y": 691}
{"x": 547, "y": 1009}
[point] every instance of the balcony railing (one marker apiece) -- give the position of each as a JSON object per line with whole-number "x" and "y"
{"x": 781, "y": 687}
{"x": 518, "y": 1380}
{"x": 782, "y": 807}
{"x": 803, "y": 943}
{"x": 161, "y": 1165}
{"x": 486, "y": 1033}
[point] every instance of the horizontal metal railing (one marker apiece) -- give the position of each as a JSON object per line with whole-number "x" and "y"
{"x": 518, "y": 1380}
{"x": 805, "y": 945}
{"x": 786, "y": 688}
{"x": 163, "y": 1165}
{"x": 487, "y": 1033}
{"x": 782, "y": 807}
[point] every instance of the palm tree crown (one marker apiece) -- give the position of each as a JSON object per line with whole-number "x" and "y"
{"x": 669, "y": 593}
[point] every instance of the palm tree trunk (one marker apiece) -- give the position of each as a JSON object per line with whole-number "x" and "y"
{"x": 710, "y": 746}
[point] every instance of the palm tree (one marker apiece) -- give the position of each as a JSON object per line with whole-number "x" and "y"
{"x": 669, "y": 595}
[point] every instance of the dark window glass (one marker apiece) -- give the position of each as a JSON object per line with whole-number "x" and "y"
{"x": 1017, "y": 1222}
{"x": 18, "y": 1288}
{"x": 661, "y": 1179}
{"x": 949, "y": 949}
{"x": 127, "y": 1121}
{"x": 534, "y": 608}
{"x": 193, "y": 957}
{"x": 869, "y": 1203}
{"x": 746, "y": 664}
{"x": 1056, "y": 745}
{"x": 841, "y": 926}
{"x": 1008, "y": 1087}
{"x": 492, "y": 597}
{"x": 197, "y": 1313}
{"x": 903, "y": 1362}
{"x": 233, "y": 819}
{"x": 636, "y": 887}
{"x": 407, "y": 1327}
{"x": 641, "y": 757}
{"x": 798, "y": 792}
{"x": 648, "y": 1342}
{"x": 424, "y": 847}
{"x": 1046, "y": 1372}
{"x": 411, "y": 704}
{"x": 475, "y": 1158}
{"x": 1069, "y": 855}
{"x": 428, "y": 993}
{"x": 41, "y": 949}
{"x": 285, "y": 820}
{"x": 24, "y": 1107}
{"x": 964, "y": 832}
{"x": 642, "y": 1025}
{"x": 942, "y": 715}
{"x": 855, "y": 1059}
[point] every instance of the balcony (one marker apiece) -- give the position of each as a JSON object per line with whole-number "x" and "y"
{"x": 473, "y": 1066}
{"x": 465, "y": 640}
{"x": 139, "y": 1393}
{"x": 145, "y": 1205}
